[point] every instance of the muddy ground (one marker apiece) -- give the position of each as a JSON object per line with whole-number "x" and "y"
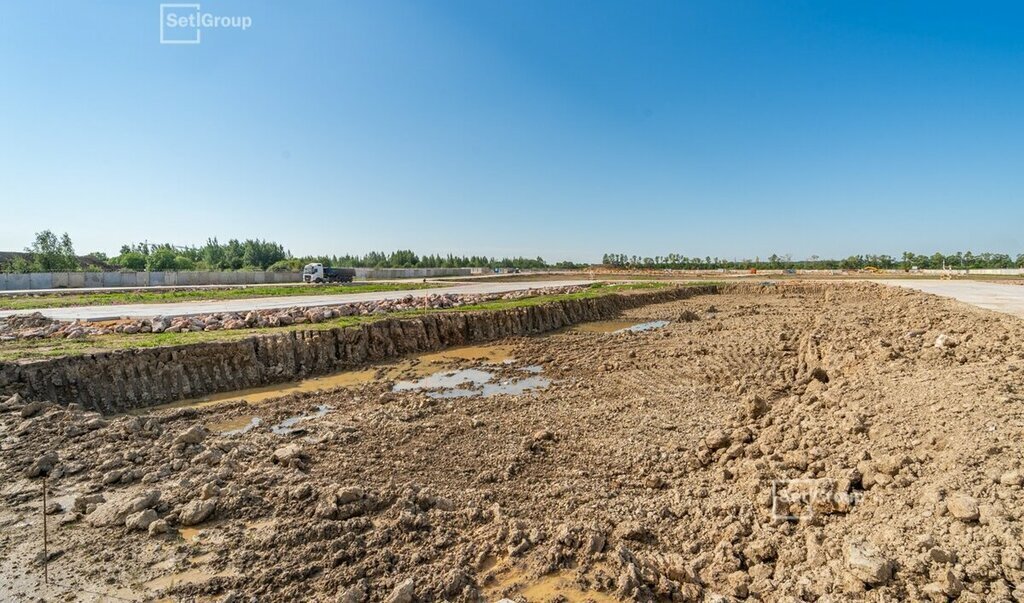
{"x": 630, "y": 466}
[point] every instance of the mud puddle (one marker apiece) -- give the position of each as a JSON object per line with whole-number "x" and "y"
{"x": 198, "y": 569}
{"x": 288, "y": 426}
{"x": 472, "y": 382}
{"x": 413, "y": 366}
{"x": 235, "y": 426}
{"x": 269, "y": 392}
{"x": 489, "y": 354}
{"x": 618, "y": 326}
{"x": 197, "y": 575}
{"x": 513, "y": 583}
{"x": 646, "y": 326}
{"x": 206, "y": 532}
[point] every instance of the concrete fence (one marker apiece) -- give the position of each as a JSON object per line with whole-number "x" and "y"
{"x": 73, "y": 280}
{"x": 385, "y": 273}
{"x": 981, "y": 271}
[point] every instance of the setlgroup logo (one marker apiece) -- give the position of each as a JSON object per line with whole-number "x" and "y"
{"x": 803, "y": 499}
{"x": 185, "y": 23}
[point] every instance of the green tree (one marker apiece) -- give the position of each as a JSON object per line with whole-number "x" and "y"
{"x": 18, "y": 264}
{"x": 52, "y": 253}
{"x": 161, "y": 259}
{"x": 132, "y": 260}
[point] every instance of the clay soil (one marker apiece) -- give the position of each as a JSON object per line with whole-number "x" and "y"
{"x": 888, "y": 423}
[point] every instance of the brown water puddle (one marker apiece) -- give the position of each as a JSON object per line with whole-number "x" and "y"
{"x": 489, "y": 354}
{"x": 513, "y": 582}
{"x": 418, "y": 365}
{"x": 193, "y": 534}
{"x": 191, "y": 576}
{"x": 269, "y": 392}
{"x": 199, "y": 572}
{"x": 235, "y": 426}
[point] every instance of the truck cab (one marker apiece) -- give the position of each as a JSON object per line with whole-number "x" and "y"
{"x": 313, "y": 273}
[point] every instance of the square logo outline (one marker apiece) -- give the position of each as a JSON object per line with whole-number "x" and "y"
{"x": 164, "y": 40}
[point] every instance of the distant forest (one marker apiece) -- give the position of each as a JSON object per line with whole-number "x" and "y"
{"x": 52, "y": 253}
{"x": 909, "y": 260}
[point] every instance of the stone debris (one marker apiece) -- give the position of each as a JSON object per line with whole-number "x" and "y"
{"x": 197, "y": 511}
{"x": 963, "y": 507}
{"x": 867, "y": 564}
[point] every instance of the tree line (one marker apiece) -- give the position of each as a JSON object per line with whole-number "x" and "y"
{"x": 405, "y": 258}
{"x": 52, "y": 253}
{"x": 907, "y": 261}
{"x": 250, "y": 254}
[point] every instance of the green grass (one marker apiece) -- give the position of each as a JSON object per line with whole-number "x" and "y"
{"x": 30, "y": 349}
{"x": 61, "y": 300}
{"x": 595, "y": 290}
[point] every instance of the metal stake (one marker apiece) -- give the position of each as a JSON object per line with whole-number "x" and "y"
{"x": 46, "y": 547}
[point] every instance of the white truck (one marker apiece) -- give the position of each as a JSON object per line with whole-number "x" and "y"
{"x": 318, "y": 273}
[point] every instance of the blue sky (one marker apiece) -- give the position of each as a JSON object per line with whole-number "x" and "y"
{"x": 564, "y": 129}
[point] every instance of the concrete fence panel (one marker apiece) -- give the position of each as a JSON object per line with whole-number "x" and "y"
{"x": 17, "y": 281}
{"x": 23, "y": 281}
{"x": 388, "y": 273}
{"x": 40, "y": 280}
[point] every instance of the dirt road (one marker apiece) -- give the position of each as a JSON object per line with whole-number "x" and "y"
{"x": 265, "y": 303}
{"x": 991, "y": 296}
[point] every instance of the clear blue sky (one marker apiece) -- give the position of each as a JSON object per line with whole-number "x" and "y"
{"x": 560, "y": 128}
